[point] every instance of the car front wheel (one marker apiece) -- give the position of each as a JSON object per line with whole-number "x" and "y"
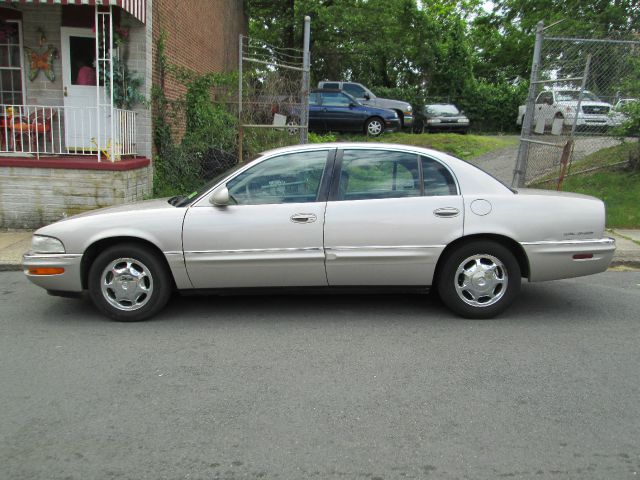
{"x": 479, "y": 279}
{"x": 374, "y": 126}
{"x": 129, "y": 283}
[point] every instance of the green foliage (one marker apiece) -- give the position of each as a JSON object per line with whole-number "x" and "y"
{"x": 209, "y": 143}
{"x": 461, "y": 146}
{"x": 322, "y": 138}
{"x": 492, "y": 106}
{"x": 631, "y": 126}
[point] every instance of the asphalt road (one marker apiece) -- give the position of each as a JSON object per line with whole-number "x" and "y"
{"x": 305, "y": 387}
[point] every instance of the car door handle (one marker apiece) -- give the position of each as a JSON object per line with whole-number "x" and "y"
{"x": 446, "y": 212}
{"x": 303, "y": 218}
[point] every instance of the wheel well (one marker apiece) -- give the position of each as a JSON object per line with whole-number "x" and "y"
{"x": 91, "y": 253}
{"x": 513, "y": 246}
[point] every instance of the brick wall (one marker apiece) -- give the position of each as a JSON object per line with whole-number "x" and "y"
{"x": 33, "y": 197}
{"x": 201, "y": 35}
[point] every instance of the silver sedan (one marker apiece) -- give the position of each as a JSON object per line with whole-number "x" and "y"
{"x": 328, "y": 217}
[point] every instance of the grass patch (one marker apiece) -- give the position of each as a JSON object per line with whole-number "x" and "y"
{"x": 600, "y": 159}
{"x": 461, "y": 146}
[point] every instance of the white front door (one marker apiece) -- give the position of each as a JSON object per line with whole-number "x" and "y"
{"x": 82, "y": 119}
{"x": 271, "y": 234}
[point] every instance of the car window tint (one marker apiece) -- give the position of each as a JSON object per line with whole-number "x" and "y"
{"x": 376, "y": 174}
{"x": 438, "y": 180}
{"x": 354, "y": 90}
{"x": 291, "y": 178}
{"x": 330, "y": 85}
{"x": 335, "y": 99}
{"x": 314, "y": 99}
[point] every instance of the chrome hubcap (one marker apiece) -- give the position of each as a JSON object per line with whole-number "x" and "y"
{"x": 481, "y": 280}
{"x": 126, "y": 284}
{"x": 375, "y": 127}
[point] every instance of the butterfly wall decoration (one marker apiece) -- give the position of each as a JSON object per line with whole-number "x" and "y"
{"x": 41, "y": 61}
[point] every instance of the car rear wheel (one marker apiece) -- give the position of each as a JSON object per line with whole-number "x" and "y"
{"x": 129, "y": 283}
{"x": 479, "y": 279}
{"x": 374, "y": 127}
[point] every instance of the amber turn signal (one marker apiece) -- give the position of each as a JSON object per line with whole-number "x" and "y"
{"x": 45, "y": 270}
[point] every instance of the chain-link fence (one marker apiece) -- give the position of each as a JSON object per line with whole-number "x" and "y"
{"x": 579, "y": 88}
{"x": 273, "y": 95}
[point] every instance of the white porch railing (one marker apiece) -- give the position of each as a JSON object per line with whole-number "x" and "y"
{"x": 46, "y": 130}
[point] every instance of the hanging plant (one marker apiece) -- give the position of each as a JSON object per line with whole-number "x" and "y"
{"x": 126, "y": 84}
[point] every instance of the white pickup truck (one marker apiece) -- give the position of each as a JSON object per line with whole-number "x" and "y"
{"x": 563, "y": 104}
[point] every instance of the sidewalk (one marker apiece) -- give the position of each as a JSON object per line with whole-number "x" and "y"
{"x": 14, "y": 244}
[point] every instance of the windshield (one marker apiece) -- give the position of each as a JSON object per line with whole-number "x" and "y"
{"x": 574, "y": 96}
{"x": 444, "y": 110}
{"x": 183, "y": 201}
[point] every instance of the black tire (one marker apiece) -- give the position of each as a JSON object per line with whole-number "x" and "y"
{"x": 494, "y": 285}
{"x": 374, "y": 127}
{"x": 138, "y": 291}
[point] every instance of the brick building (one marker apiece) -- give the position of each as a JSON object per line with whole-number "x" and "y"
{"x": 70, "y": 140}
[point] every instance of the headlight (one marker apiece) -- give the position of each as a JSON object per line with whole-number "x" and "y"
{"x": 463, "y": 120}
{"x": 433, "y": 120}
{"x": 42, "y": 244}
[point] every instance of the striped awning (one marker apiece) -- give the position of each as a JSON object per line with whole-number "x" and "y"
{"x": 134, "y": 7}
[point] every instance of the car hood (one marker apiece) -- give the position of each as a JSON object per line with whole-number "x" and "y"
{"x": 127, "y": 207}
{"x": 588, "y": 103}
{"x": 388, "y": 103}
{"x": 155, "y": 221}
{"x": 383, "y": 112}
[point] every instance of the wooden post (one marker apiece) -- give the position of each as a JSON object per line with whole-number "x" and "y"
{"x": 564, "y": 162}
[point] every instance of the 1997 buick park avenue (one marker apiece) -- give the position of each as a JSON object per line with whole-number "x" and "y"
{"x": 330, "y": 217}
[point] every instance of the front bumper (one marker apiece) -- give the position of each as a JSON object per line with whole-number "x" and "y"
{"x": 554, "y": 260}
{"x": 392, "y": 125}
{"x": 593, "y": 120}
{"x": 69, "y": 281}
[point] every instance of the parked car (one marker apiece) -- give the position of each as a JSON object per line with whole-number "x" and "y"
{"x": 331, "y": 217}
{"x": 442, "y": 117}
{"x": 552, "y": 104}
{"x": 367, "y": 97}
{"x": 334, "y": 110}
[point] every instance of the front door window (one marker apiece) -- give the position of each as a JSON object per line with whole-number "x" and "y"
{"x": 292, "y": 178}
{"x": 10, "y": 63}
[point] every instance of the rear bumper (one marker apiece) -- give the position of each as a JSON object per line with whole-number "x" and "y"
{"x": 69, "y": 281}
{"x": 556, "y": 260}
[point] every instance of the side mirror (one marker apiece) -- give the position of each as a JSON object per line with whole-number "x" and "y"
{"x": 352, "y": 104}
{"x": 220, "y": 197}
{"x": 367, "y": 96}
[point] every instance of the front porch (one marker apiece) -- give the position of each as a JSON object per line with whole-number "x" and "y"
{"x": 72, "y": 138}
{"x": 74, "y": 77}
{"x": 35, "y": 130}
